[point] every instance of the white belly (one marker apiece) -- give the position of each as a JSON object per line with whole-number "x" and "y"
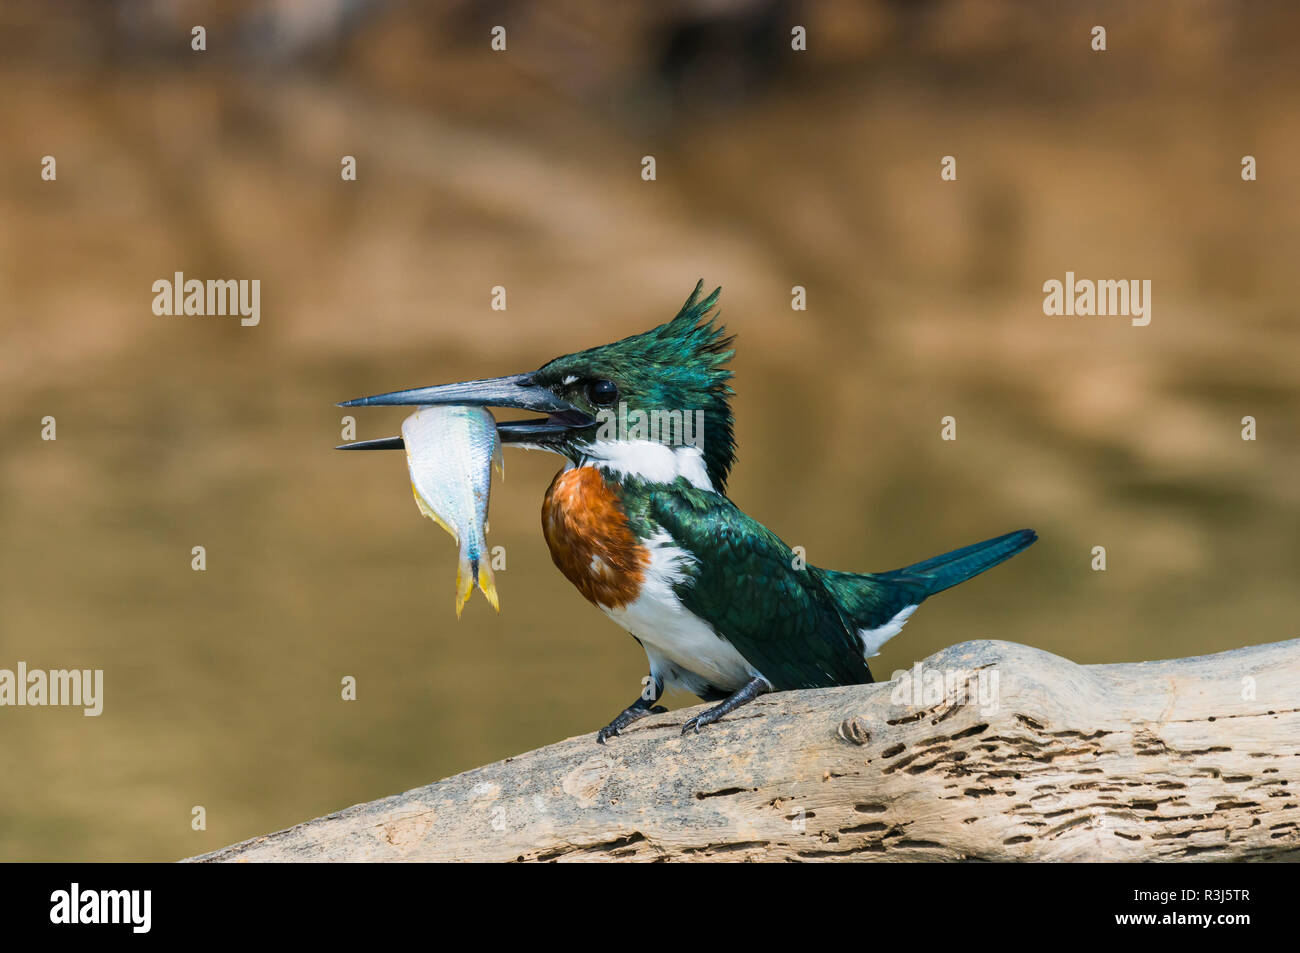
{"x": 683, "y": 649}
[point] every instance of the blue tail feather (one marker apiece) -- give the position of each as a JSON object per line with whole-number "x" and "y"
{"x": 871, "y": 600}
{"x": 943, "y": 572}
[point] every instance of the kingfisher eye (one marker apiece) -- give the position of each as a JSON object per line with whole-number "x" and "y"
{"x": 602, "y": 392}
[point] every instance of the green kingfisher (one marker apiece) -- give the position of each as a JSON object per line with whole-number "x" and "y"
{"x": 639, "y": 521}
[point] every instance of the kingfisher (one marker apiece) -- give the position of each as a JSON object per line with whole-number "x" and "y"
{"x": 639, "y": 521}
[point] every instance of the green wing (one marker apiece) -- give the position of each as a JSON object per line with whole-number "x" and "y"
{"x": 781, "y": 619}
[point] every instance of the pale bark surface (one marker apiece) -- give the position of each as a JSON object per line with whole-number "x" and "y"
{"x": 1195, "y": 758}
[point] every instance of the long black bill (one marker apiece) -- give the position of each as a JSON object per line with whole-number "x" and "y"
{"x": 517, "y": 391}
{"x": 383, "y": 443}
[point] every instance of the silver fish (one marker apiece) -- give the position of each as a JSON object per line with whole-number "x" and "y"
{"x": 450, "y": 451}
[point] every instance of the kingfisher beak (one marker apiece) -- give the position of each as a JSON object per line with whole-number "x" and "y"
{"x": 517, "y": 391}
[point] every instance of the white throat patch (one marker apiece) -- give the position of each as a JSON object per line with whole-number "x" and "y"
{"x": 650, "y": 460}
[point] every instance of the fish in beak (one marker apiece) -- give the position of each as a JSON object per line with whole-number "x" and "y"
{"x": 518, "y": 391}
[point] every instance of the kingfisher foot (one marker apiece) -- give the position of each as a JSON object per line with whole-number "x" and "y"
{"x": 634, "y": 712}
{"x": 625, "y": 718}
{"x": 752, "y": 689}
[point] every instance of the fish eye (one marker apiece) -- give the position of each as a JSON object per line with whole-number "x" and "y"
{"x": 602, "y": 392}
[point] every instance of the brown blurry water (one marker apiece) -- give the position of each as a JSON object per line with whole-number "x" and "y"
{"x": 222, "y": 688}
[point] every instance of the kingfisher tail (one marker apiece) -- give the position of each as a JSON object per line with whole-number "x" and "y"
{"x": 876, "y": 605}
{"x": 944, "y": 572}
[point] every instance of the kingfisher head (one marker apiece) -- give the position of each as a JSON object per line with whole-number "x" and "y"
{"x": 656, "y": 405}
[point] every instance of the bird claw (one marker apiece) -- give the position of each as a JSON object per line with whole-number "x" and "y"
{"x": 613, "y": 729}
{"x": 699, "y": 721}
{"x": 756, "y": 686}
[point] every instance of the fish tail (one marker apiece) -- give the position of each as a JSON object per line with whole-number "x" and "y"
{"x": 487, "y": 584}
{"x": 466, "y": 572}
{"x": 475, "y": 570}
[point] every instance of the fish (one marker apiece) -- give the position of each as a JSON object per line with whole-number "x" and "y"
{"x": 450, "y": 451}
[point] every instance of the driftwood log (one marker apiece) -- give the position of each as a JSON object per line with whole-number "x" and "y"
{"x": 1006, "y": 753}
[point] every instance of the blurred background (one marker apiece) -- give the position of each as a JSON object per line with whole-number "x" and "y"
{"x": 522, "y": 169}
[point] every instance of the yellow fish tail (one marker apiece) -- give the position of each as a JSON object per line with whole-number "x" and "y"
{"x": 464, "y": 583}
{"x": 487, "y": 584}
{"x": 468, "y": 573}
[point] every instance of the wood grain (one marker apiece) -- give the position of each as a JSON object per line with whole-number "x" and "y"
{"x": 1185, "y": 759}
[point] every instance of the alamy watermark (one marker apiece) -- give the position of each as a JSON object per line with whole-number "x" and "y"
{"x": 676, "y": 428}
{"x": 926, "y": 686}
{"x": 1104, "y": 297}
{"x": 178, "y": 295}
{"x": 56, "y": 688}
{"x": 77, "y": 905}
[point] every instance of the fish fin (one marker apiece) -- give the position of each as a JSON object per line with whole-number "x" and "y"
{"x": 498, "y": 457}
{"x": 487, "y": 584}
{"x": 427, "y": 510}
